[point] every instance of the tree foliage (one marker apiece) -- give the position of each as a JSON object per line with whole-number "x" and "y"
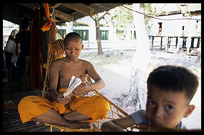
{"x": 122, "y": 20}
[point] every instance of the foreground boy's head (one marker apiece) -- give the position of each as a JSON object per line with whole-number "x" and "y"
{"x": 73, "y": 45}
{"x": 170, "y": 90}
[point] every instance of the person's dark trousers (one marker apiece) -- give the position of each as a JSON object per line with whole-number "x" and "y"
{"x": 14, "y": 73}
{"x": 8, "y": 56}
{"x": 23, "y": 69}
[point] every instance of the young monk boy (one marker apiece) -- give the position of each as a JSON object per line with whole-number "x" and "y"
{"x": 74, "y": 110}
{"x": 170, "y": 90}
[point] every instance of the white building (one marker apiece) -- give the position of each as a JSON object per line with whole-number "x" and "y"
{"x": 86, "y": 28}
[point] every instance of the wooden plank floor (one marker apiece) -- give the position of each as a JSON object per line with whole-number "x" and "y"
{"x": 11, "y": 119}
{"x": 12, "y": 123}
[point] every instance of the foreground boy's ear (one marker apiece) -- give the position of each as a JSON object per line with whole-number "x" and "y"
{"x": 82, "y": 47}
{"x": 189, "y": 110}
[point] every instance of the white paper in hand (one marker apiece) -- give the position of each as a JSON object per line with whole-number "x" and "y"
{"x": 71, "y": 82}
{"x": 72, "y": 85}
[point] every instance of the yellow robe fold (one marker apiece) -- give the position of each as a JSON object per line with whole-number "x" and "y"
{"x": 95, "y": 107}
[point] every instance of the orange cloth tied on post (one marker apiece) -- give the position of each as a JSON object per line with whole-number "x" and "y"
{"x": 49, "y": 23}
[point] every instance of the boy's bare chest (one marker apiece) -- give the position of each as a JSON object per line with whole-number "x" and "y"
{"x": 69, "y": 70}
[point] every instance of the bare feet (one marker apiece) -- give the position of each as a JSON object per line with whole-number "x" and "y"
{"x": 39, "y": 123}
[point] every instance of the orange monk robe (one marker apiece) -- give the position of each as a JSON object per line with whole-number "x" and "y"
{"x": 95, "y": 107}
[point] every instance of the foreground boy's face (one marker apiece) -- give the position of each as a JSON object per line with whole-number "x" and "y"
{"x": 166, "y": 109}
{"x": 73, "y": 48}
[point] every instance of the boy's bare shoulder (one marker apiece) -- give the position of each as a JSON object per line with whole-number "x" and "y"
{"x": 85, "y": 62}
{"x": 58, "y": 61}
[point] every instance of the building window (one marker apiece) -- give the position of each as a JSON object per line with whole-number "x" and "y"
{"x": 104, "y": 34}
{"x": 133, "y": 35}
{"x": 83, "y": 33}
{"x": 160, "y": 28}
{"x": 63, "y": 32}
{"x": 120, "y": 34}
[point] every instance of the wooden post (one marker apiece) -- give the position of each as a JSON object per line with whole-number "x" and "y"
{"x": 44, "y": 38}
{"x": 152, "y": 41}
{"x": 176, "y": 41}
{"x": 177, "y": 46}
{"x": 161, "y": 43}
{"x": 184, "y": 42}
{"x": 188, "y": 44}
{"x": 192, "y": 42}
{"x": 199, "y": 42}
{"x": 167, "y": 42}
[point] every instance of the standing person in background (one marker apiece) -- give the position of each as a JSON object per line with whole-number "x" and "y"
{"x": 23, "y": 52}
{"x": 10, "y": 53}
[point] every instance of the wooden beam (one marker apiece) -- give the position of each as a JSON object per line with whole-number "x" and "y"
{"x": 15, "y": 14}
{"x": 29, "y": 5}
{"x": 98, "y": 4}
{"x": 79, "y": 7}
{"x": 63, "y": 15}
{"x": 57, "y": 5}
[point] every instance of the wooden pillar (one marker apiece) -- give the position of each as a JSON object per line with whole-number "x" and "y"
{"x": 192, "y": 42}
{"x": 152, "y": 41}
{"x": 161, "y": 43}
{"x": 199, "y": 41}
{"x": 35, "y": 53}
{"x": 184, "y": 42}
{"x": 176, "y": 41}
{"x": 177, "y": 46}
{"x": 188, "y": 44}
{"x": 167, "y": 42}
{"x": 44, "y": 38}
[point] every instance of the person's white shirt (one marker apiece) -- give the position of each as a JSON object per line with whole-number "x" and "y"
{"x": 11, "y": 45}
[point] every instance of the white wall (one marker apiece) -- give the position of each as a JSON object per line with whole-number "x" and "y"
{"x": 175, "y": 27}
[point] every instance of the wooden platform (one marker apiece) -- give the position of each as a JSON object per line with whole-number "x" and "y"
{"x": 12, "y": 123}
{"x": 11, "y": 119}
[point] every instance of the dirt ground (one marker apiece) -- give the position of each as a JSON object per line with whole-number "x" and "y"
{"x": 115, "y": 69}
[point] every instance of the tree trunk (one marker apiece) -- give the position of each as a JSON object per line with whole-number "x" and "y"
{"x": 98, "y": 38}
{"x": 136, "y": 98}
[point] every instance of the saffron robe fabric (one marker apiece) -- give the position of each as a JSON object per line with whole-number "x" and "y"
{"x": 95, "y": 107}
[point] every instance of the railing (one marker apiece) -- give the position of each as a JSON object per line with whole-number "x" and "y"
{"x": 111, "y": 44}
{"x": 180, "y": 42}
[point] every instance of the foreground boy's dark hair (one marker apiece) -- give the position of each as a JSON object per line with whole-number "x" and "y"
{"x": 174, "y": 78}
{"x": 72, "y": 35}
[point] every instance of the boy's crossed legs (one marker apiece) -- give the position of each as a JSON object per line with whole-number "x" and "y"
{"x": 71, "y": 120}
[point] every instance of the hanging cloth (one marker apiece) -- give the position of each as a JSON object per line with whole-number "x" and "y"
{"x": 49, "y": 23}
{"x": 36, "y": 54}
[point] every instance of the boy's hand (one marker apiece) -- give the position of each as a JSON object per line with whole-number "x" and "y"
{"x": 82, "y": 90}
{"x": 62, "y": 99}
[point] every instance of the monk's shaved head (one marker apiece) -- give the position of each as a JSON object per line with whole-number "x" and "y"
{"x": 72, "y": 36}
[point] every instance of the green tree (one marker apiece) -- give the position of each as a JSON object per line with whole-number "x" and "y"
{"x": 96, "y": 19}
{"x": 120, "y": 17}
